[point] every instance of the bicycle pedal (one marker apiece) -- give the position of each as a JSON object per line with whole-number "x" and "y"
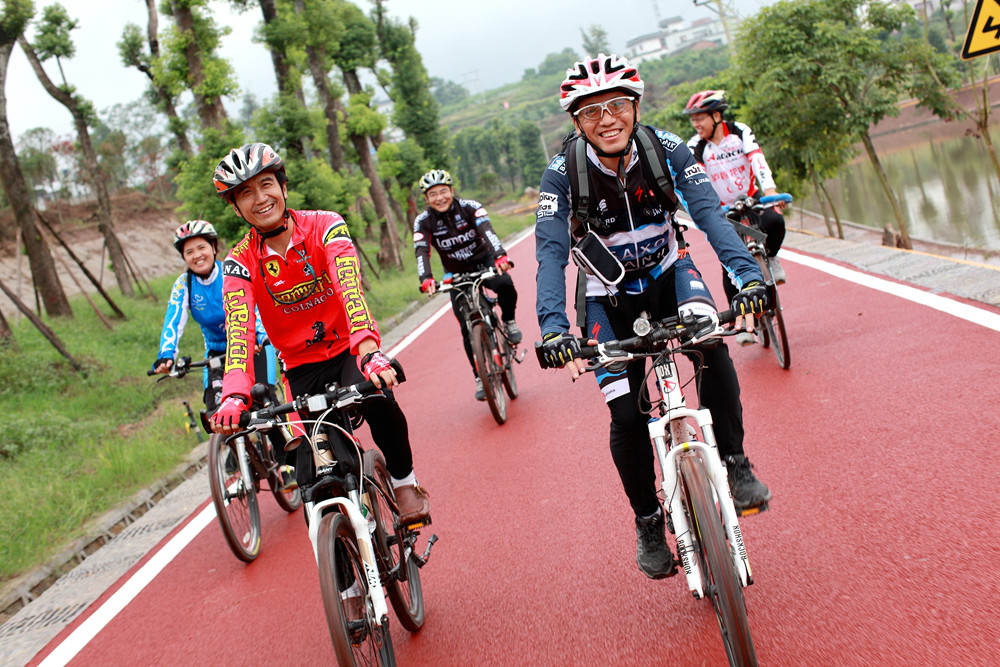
{"x": 750, "y": 511}
{"x": 417, "y": 525}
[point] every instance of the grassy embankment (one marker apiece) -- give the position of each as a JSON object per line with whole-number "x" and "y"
{"x": 73, "y": 447}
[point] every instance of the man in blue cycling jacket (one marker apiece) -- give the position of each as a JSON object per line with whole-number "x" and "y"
{"x": 602, "y": 95}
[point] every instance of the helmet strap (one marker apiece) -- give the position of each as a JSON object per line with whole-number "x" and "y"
{"x": 277, "y": 231}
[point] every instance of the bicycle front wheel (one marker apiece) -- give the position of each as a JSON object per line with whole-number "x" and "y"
{"x": 235, "y": 498}
{"x": 773, "y": 321}
{"x": 721, "y": 581}
{"x": 393, "y": 543}
{"x": 358, "y": 638}
{"x": 506, "y": 353}
{"x": 488, "y": 368}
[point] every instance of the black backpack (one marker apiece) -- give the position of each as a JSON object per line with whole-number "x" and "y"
{"x": 652, "y": 157}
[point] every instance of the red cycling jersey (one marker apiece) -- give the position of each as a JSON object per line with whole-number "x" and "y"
{"x": 309, "y": 299}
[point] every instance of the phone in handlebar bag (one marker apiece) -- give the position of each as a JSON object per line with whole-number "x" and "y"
{"x": 594, "y": 258}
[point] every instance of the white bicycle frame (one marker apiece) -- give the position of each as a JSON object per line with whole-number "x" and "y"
{"x": 671, "y": 435}
{"x": 668, "y": 445}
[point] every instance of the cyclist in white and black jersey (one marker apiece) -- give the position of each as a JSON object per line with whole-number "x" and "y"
{"x": 735, "y": 162}
{"x": 460, "y": 230}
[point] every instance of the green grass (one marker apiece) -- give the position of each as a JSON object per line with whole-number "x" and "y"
{"x": 74, "y": 445}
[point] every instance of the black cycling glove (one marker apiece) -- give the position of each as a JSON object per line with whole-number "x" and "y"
{"x": 752, "y": 299}
{"x": 558, "y": 348}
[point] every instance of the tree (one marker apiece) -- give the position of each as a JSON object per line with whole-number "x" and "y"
{"x": 532, "y": 156}
{"x": 13, "y": 19}
{"x": 38, "y": 162}
{"x": 132, "y": 54}
{"x": 416, "y": 110}
{"x": 53, "y": 41}
{"x": 843, "y": 59}
{"x": 595, "y": 40}
{"x": 189, "y": 62}
{"x": 447, "y": 92}
{"x": 558, "y": 63}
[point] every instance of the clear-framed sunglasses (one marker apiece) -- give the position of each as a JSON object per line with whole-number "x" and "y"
{"x": 615, "y": 106}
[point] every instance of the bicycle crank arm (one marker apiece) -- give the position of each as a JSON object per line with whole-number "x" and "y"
{"x": 422, "y": 560}
{"x": 519, "y": 357}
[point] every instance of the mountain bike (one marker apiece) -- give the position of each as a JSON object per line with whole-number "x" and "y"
{"x": 237, "y": 468}
{"x": 359, "y": 543}
{"x": 695, "y": 485}
{"x": 745, "y": 216}
{"x": 493, "y": 352}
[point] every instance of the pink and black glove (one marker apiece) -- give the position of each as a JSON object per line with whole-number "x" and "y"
{"x": 228, "y": 414}
{"x": 502, "y": 263}
{"x": 374, "y": 363}
{"x": 427, "y": 287}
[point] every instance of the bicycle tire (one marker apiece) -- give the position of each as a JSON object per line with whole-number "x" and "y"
{"x": 392, "y": 542}
{"x": 507, "y": 370}
{"x": 721, "y": 581}
{"x": 773, "y": 330}
{"x": 287, "y": 500}
{"x": 356, "y": 641}
{"x": 234, "y": 498}
{"x": 488, "y": 371}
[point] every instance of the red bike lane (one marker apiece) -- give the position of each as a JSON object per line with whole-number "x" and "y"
{"x": 877, "y": 444}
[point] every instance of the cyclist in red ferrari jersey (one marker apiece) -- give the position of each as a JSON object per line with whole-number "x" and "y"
{"x": 300, "y": 269}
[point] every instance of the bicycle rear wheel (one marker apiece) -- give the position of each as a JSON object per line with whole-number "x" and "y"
{"x": 392, "y": 543}
{"x": 507, "y": 365}
{"x": 358, "y": 638}
{"x": 489, "y": 371}
{"x": 721, "y": 581}
{"x": 773, "y": 320}
{"x": 235, "y": 498}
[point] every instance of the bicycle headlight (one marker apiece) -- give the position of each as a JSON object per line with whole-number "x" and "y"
{"x": 641, "y": 326}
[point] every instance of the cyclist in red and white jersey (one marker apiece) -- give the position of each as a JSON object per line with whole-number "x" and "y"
{"x": 300, "y": 269}
{"x": 735, "y": 162}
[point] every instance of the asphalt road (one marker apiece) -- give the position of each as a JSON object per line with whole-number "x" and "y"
{"x": 879, "y": 445}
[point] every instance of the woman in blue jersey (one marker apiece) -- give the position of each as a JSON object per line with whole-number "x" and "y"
{"x": 197, "y": 293}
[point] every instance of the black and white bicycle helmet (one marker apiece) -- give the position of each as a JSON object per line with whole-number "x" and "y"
{"x": 244, "y": 163}
{"x": 434, "y": 177}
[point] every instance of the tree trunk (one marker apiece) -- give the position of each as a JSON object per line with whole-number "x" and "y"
{"x": 175, "y": 122}
{"x": 115, "y": 252}
{"x": 833, "y": 209}
{"x": 211, "y": 111}
{"x": 897, "y": 211}
{"x": 283, "y": 74}
{"x": 43, "y": 270}
{"x": 7, "y": 340}
{"x": 388, "y": 254}
{"x": 822, "y": 204}
{"x": 49, "y": 334}
{"x": 983, "y": 125}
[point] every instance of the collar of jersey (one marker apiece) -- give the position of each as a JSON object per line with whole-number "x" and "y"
{"x": 211, "y": 276}
{"x": 297, "y": 237}
{"x": 632, "y": 160}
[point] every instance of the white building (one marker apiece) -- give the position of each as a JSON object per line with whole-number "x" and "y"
{"x": 674, "y": 36}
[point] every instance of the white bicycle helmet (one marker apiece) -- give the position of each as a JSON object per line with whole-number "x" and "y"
{"x": 432, "y": 178}
{"x": 599, "y": 75}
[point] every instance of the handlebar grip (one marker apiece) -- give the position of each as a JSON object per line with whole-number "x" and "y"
{"x": 244, "y": 420}
{"x": 398, "y": 367}
{"x": 727, "y": 317}
{"x": 151, "y": 371}
{"x": 773, "y": 199}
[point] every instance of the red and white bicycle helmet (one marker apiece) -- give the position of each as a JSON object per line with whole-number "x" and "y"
{"x": 244, "y": 163}
{"x": 193, "y": 229}
{"x": 599, "y": 75}
{"x": 706, "y": 101}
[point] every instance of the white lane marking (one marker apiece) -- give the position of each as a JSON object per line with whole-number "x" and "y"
{"x": 960, "y": 310}
{"x": 87, "y": 630}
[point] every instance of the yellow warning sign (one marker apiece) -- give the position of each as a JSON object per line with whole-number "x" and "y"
{"x": 984, "y": 30}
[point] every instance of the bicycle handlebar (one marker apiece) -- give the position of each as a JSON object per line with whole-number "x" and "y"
{"x": 689, "y": 328}
{"x": 183, "y": 365}
{"x": 459, "y": 278}
{"x": 757, "y": 204}
{"x": 335, "y": 396}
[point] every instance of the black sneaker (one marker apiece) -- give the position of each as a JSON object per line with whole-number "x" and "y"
{"x": 513, "y": 333}
{"x": 651, "y": 551}
{"x": 748, "y": 491}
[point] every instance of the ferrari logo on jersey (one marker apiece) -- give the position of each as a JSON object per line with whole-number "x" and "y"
{"x": 272, "y": 267}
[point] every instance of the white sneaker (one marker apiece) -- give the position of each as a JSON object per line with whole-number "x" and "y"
{"x": 745, "y": 338}
{"x": 480, "y": 392}
{"x": 777, "y": 271}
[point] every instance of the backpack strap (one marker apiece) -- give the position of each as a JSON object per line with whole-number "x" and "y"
{"x": 652, "y": 157}
{"x": 699, "y": 150}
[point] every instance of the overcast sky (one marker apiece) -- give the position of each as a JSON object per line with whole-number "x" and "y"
{"x": 481, "y": 44}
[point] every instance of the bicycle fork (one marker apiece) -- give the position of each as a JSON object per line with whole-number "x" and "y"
{"x": 359, "y": 523}
{"x": 679, "y": 440}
